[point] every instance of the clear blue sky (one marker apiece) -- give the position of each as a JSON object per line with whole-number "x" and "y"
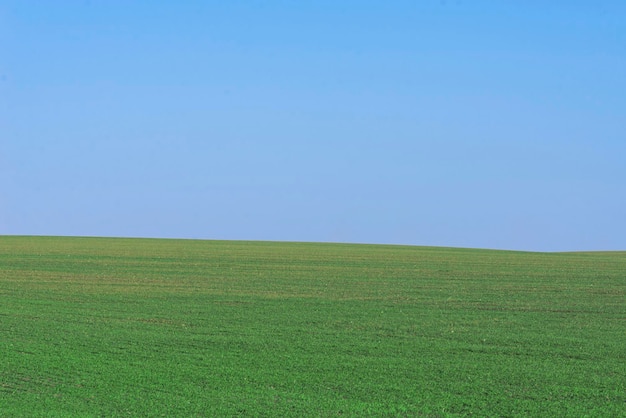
{"x": 492, "y": 124}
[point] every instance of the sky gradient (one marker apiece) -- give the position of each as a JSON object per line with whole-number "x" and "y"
{"x": 449, "y": 123}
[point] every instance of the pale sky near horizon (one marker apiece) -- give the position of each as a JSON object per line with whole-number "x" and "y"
{"x": 490, "y": 124}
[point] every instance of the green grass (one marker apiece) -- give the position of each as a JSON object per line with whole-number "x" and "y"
{"x": 138, "y": 327}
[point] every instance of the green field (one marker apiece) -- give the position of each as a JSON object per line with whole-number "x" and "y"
{"x": 140, "y": 327}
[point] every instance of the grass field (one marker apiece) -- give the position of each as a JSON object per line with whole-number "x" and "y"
{"x": 138, "y": 327}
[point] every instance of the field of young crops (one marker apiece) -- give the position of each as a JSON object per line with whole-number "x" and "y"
{"x": 138, "y": 327}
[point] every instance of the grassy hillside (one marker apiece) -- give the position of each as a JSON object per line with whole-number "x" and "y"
{"x": 137, "y": 327}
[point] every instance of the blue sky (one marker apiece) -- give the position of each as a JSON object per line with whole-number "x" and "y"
{"x": 491, "y": 124}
